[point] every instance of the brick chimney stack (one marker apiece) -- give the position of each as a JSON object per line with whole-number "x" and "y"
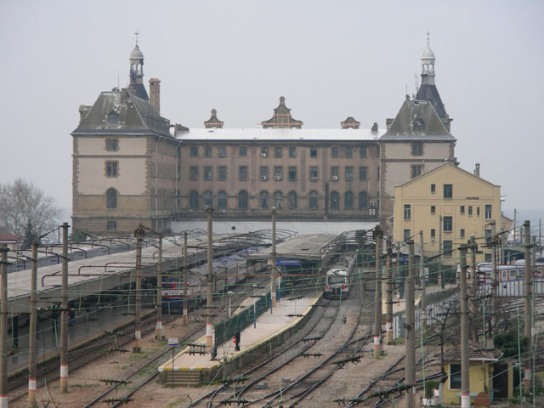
{"x": 477, "y": 170}
{"x": 155, "y": 94}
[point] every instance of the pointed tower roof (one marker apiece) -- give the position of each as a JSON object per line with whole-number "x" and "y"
{"x": 213, "y": 122}
{"x": 282, "y": 118}
{"x": 427, "y": 90}
{"x": 350, "y": 123}
{"x": 136, "y": 85}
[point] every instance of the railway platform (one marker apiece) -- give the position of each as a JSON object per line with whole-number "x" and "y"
{"x": 195, "y": 365}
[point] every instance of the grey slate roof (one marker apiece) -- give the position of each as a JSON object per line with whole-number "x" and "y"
{"x": 427, "y": 92}
{"x": 121, "y": 112}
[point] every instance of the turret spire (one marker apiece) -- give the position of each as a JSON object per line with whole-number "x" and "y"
{"x": 136, "y": 85}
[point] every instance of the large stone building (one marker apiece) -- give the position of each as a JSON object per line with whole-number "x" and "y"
{"x": 130, "y": 166}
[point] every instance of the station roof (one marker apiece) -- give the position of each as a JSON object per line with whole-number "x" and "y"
{"x": 308, "y": 247}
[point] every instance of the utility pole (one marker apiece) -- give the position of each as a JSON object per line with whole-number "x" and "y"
{"x": 209, "y": 292}
{"x": 422, "y": 302}
{"x": 378, "y": 295}
{"x": 158, "y": 327}
{"x": 465, "y": 381}
{"x": 473, "y": 330}
{"x": 274, "y": 278}
{"x": 489, "y": 331}
{"x": 4, "y": 329}
{"x": 389, "y": 291}
{"x": 409, "y": 335}
{"x": 64, "y": 313}
{"x": 185, "y": 280}
{"x": 528, "y": 281}
{"x": 32, "y": 340}
{"x": 139, "y": 234}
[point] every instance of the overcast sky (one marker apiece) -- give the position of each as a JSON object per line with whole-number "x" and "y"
{"x": 330, "y": 59}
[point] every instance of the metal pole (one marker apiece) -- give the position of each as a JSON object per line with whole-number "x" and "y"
{"x": 64, "y": 313}
{"x": 4, "y": 329}
{"x": 32, "y": 340}
{"x": 209, "y": 292}
{"x": 410, "y": 368}
{"x": 422, "y": 303}
{"x": 472, "y": 322}
{"x": 495, "y": 243}
{"x": 139, "y": 234}
{"x": 465, "y": 381}
{"x": 273, "y": 284}
{"x": 158, "y": 327}
{"x": 389, "y": 291}
{"x": 185, "y": 280}
{"x": 528, "y": 280}
{"x": 378, "y": 295}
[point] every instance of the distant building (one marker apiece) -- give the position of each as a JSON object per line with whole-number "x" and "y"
{"x": 131, "y": 166}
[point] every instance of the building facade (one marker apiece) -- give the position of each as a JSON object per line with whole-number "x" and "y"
{"x": 131, "y": 166}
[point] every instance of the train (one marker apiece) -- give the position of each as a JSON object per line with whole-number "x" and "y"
{"x": 336, "y": 284}
{"x": 503, "y": 273}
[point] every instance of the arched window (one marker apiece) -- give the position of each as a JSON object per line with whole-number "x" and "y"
{"x": 242, "y": 200}
{"x": 111, "y": 198}
{"x": 335, "y": 200}
{"x": 208, "y": 199}
{"x": 348, "y": 200}
{"x": 363, "y": 200}
{"x": 313, "y": 200}
{"x": 278, "y": 198}
{"x": 263, "y": 199}
{"x": 222, "y": 200}
{"x": 292, "y": 199}
{"x": 193, "y": 200}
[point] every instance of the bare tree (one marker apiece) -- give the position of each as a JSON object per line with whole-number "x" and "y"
{"x": 23, "y": 204}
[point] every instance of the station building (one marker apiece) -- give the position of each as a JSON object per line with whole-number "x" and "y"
{"x": 132, "y": 166}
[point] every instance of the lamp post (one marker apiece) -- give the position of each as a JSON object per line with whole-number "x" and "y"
{"x": 230, "y": 293}
{"x": 254, "y": 307}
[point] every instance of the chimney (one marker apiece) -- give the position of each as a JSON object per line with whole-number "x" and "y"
{"x": 155, "y": 94}
{"x": 477, "y": 170}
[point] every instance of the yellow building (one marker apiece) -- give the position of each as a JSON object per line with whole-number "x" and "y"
{"x": 448, "y": 205}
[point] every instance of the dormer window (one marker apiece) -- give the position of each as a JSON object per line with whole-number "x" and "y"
{"x": 112, "y": 119}
{"x": 418, "y": 125}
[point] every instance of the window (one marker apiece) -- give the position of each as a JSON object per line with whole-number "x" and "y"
{"x": 348, "y": 200}
{"x": 462, "y": 210}
{"x": 193, "y": 151}
{"x": 470, "y": 211}
{"x": 222, "y": 151}
{"x": 208, "y": 199}
{"x": 378, "y": 173}
{"x": 477, "y": 211}
{"x": 462, "y": 233}
{"x": 433, "y": 188}
{"x": 313, "y": 152}
{"x": 417, "y": 149}
{"x": 334, "y": 173}
{"x": 433, "y": 210}
{"x": 263, "y": 200}
{"x": 314, "y": 175}
{"x": 348, "y": 173}
{"x": 263, "y": 173}
{"x": 111, "y": 198}
{"x": 292, "y": 173}
{"x": 406, "y": 234}
{"x": 292, "y": 151}
{"x": 207, "y": 151}
{"x": 112, "y": 168}
{"x": 242, "y": 151}
{"x": 242, "y": 173}
{"x": 362, "y": 173}
{"x": 362, "y": 152}
{"x": 313, "y": 200}
{"x": 112, "y": 119}
{"x": 222, "y": 200}
{"x": 448, "y": 190}
{"x": 334, "y": 151}
{"x": 111, "y": 226}
{"x": 455, "y": 376}
{"x": 335, "y": 201}
{"x": 277, "y": 152}
{"x": 349, "y": 152}
{"x": 447, "y": 224}
{"x": 416, "y": 170}
{"x": 193, "y": 200}
{"x": 208, "y": 173}
{"x": 221, "y": 173}
{"x": 112, "y": 145}
{"x": 193, "y": 173}
{"x": 278, "y": 199}
{"x": 264, "y": 151}
{"x": 363, "y": 200}
{"x": 407, "y": 212}
{"x": 278, "y": 173}
{"x": 243, "y": 200}
{"x": 433, "y": 234}
{"x": 292, "y": 199}
{"x": 447, "y": 248}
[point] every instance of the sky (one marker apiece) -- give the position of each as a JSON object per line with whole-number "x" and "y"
{"x": 330, "y": 59}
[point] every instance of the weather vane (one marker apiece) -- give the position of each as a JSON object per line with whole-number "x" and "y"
{"x": 136, "y": 34}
